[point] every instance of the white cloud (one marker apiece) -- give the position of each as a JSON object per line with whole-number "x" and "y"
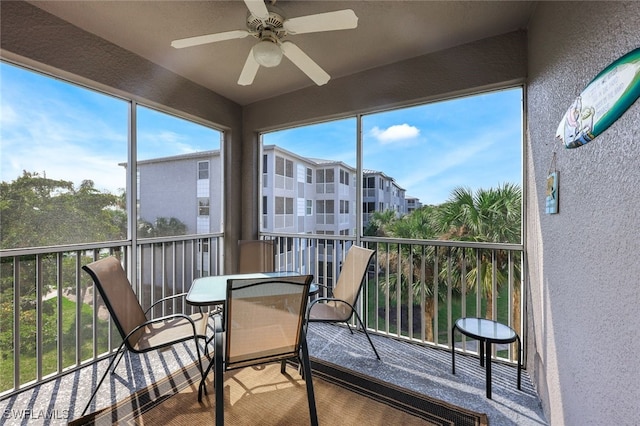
{"x": 397, "y": 132}
{"x": 63, "y": 143}
{"x": 8, "y": 115}
{"x": 461, "y": 164}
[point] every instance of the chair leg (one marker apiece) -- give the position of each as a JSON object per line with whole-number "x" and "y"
{"x": 95, "y": 391}
{"x": 366, "y": 333}
{"x": 119, "y": 356}
{"x": 306, "y": 367}
{"x": 349, "y": 326}
{"x": 195, "y": 341}
{"x": 218, "y": 380}
{"x": 203, "y": 384}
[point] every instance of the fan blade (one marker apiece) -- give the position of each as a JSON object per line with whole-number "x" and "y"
{"x": 209, "y": 38}
{"x": 257, "y": 9}
{"x": 305, "y": 63}
{"x": 330, "y": 21}
{"x": 249, "y": 70}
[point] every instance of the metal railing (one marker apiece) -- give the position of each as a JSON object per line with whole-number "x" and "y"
{"x": 53, "y": 322}
{"x": 416, "y": 289}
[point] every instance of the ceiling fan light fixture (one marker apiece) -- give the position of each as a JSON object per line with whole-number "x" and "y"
{"x": 267, "y": 53}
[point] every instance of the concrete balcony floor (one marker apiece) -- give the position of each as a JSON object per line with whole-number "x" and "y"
{"x": 415, "y": 367}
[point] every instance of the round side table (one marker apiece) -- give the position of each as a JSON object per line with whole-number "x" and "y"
{"x": 486, "y": 332}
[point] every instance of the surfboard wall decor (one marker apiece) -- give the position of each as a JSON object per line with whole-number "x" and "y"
{"x": 602, "y": 101}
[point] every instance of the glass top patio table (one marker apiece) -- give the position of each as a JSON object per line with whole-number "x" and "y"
{"x": 480, "y": 328}
{"x": 486, "y": 332}
{"x": 212, "y": 290}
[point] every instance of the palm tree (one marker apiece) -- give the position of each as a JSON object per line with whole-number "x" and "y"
{"x": 412, "y": 266}
{"x": 491, "y": 215}
{"x": 163, "y": 227}
{"x": 379, "y": 223}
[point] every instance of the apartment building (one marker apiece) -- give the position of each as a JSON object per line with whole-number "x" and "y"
{"x": 299, "y": 195}
{"x": 185, "y": 187}
{"x": 308, "y": 196}
{"x": 413, "y": 203}
{"x": 381, "y": 193}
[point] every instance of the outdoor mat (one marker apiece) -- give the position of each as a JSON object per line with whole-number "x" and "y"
{"x": 264, "y": 396}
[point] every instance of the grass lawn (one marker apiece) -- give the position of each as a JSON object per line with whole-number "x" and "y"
{"x": 49, "y": 356}
{"x": 443, "y": 329}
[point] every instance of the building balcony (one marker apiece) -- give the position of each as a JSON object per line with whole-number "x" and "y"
{"x": 61, "y": 346}
{"x": 417, "y": 368}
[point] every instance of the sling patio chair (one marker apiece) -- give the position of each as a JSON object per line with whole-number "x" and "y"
{"x": 256, "y": 256}
{"x": 340, "y": 307}
{"x": 263, "y": 321}
{"x": 138, "y": 333}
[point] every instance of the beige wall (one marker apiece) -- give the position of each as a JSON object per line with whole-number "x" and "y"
{"x": 583, "y": 262}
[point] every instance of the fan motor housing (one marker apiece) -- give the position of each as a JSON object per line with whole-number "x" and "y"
{"x": 274, "y": 23}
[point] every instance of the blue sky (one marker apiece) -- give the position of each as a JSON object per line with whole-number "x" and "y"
{"x": 72, "y": 133}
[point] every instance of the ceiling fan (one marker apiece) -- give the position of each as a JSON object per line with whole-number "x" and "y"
{"x": 269, "y": 25}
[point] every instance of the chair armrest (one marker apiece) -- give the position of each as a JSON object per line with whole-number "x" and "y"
{"x": 160, "y": 319}
{"x": 164, "y": 299}
{"x": 329, "y": 289}
{"x": 326, "y": 299}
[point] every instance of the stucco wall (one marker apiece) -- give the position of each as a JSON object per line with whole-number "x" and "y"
{"x": 583, "y": 262}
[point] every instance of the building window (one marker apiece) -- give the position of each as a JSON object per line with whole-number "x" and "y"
{"x": 309, "y": 207}
{"x": 325, "y": 212}
{"x": 344, "y": 177}
{"x": 325, "y": 181}
{"x": 325, "y": 176}
{"x": 284, "y": 167}
{"x": 284, "y": 174}
{"x": 284, "y": 205}
{"x": 288, "y": 165}
{"x": 370, "y": 182}
{"x": 309, "y": 175}
{"x": 284, "y": 212}
{"x": 279, "y": 166}
{"x": 203, "y": 170}
{"x": 203, "y": 206}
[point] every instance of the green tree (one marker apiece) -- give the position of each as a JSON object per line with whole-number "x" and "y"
{"x": 379, "y": 223}
{"x": 37, "y": 211}
{"x": 488, "y": 215}
{"x": 492, "y": 215}
{"x": 412, "y": 266}
{"x": 162, "y": 227}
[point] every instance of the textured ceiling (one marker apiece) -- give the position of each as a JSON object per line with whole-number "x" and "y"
{"x": 387, "y": 32}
